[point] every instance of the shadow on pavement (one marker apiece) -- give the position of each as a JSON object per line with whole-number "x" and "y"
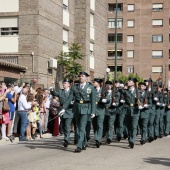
{"x": 160, "y": 161}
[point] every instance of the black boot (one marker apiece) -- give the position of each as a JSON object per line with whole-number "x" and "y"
{"x": 78, "y": 150}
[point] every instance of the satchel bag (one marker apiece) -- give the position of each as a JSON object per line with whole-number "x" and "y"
{"x": 5, "y": 106}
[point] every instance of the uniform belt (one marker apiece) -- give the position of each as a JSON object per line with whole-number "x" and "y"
{"x": 82, "y": 101}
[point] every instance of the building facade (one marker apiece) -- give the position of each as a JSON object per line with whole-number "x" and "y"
{"x": 34, "y": 32}
{"x": 143, "y": 38}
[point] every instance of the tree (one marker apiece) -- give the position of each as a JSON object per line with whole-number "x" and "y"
{"x": 69, "y": 61}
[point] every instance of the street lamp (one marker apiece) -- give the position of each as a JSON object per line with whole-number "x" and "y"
{"x": 107, "y": 72}
{"x": 115, "y": 75}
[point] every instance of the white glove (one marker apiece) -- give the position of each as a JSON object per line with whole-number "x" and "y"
{"x": 168, "y": 107}
{"x": 140, "y": 107}
{"x": 92, "y": 116}
{"x": 163, "y": 105}
{"x": 146, "y": 106}
{"x": 156, "y": 99}
{"x": 72, "y": 102}
{"x": 121, "y": 85}
{"x": 114, "y": 104}
{"x": 158, "y": 104}
{"x": 104, "y": 100}
{"x": 122, "y": 101}
{"x": 61, "y": 112}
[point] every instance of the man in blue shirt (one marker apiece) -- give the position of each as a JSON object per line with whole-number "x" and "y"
{"x": 11, "y": 101}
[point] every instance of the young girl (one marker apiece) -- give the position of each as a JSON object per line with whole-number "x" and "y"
{"x": 33, "y": 125}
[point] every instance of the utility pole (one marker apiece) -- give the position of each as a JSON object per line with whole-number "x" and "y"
{"x": 115, "y": 76}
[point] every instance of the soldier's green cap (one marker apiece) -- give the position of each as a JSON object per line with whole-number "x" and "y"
{"x": 98, "y": 80}
{"x": 142, "y": 83}
{"x": 108, "y": 82}
{"x": 84, "y": 73}
{"x": 133, "y": 79}
{"x": 67, "y": 80}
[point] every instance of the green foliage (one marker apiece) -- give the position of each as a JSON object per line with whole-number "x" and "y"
{"x": 124, "y": 78}
{"x": 68, "y": 61}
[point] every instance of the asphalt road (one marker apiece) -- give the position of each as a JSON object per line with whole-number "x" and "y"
{"x": 49, "y": 154}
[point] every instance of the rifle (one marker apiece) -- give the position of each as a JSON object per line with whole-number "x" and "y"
{"x": 113, "y": 93}
{"x": 122, "y": 96}
{"x": 103, "y": 89}
{"x": 146, "y": 95}
{"x": 137, "y": 95}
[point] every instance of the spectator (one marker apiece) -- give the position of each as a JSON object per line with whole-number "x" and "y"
{"x": 11, "y": 101}
{"x": 23, "y": 107}
{"x": 54, "y": 110}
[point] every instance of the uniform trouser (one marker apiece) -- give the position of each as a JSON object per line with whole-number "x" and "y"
{"x": 157, "y": 121}
{"x": 151, "y": 124}
{"x": 109, "y": 125}
{"x": 66, "y": 123}
{"x": 132, "y": 123}
{"x": 88, "y": 127}
{"x": 143, "y": 123}
{"x": 120, "y": 128}
{"x": 161, "y": 124}
{"x": 81, "y": 121}
{"x": 167, "y": 123}
{"x": 75, "y": 129}
{"x": 98, "y": 127}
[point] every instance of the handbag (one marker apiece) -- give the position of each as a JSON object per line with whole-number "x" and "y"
{"x": 5, "y": 106}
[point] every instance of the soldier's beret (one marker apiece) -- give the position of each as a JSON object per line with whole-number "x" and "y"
{"x": 148, "y": 80}
{"x": 98, "y": 80}
{"x": 108, "y": 82}
{"x": 117, "y": 81}
{"x": 84, "y": 73}
{"x": 133, "y": 79}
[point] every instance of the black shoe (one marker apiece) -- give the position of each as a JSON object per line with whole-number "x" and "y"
{"x": 75, "y": 142}
{"x": 150, "y": 139}
{"x": 84, "y": 148}
{"x": 166, "y": 134}
{"x": 78, "y": 150}
{"x": 65, "y": 144}
{"x": 88, "y": 138}
{"x": 125, "y": 136}
{"x": 118, "y": 139}
{"x": 160, "y": 136}
{"x": 97, "y": 144}
{"x": 10, "y": 138}
{"x": 131, "y": 145}
{"x": 142, "y": 142}
{"x": 108, "y": 141}
{"x": 155, "y": 137}
{"x": 36, "y": 134}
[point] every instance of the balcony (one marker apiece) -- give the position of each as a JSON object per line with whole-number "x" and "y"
{"x": 10, "y": 59}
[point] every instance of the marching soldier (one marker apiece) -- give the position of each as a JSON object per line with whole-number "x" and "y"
{"x": 98, "y": 120}
{"x": 84, "y": 106}
{"x": 133, "y": 108}
{"x": 144, "y": 113}
{"x": 111, "y": 109}
{"x": 67, "y": 117}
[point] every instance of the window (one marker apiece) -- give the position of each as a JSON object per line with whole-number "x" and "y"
{"x": 131, "y": 7}
{"x": 111, "y": 53}
{"x": 65, "y": 37}
{"x": 8, "y": 26}
{"x": 157, "y": 38}
{"x": 130, "y": 69}
{"x": 130, "y": 23}
{"x": 156, "y": 69}
{"x": 91, "y": 20}
{"x": 91, "y": 49}
{"x": 112, "y": 68}
{"x": 112, "y": 7}
{"x": 111, "y": 38}
{"x": 157, "y": 54}
{"x": 65, "y": 4}
{"x": 157, "y": 22}
{"x": 112, "y": 23}
{"x": 92, "y": 5}
{"x": 157, "y": 7}
{"x": 130, "y": 38}
{"x": 130, "y": 53}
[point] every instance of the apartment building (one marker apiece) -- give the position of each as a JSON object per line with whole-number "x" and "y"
{"x": 143, "y": 38}
{"x": 34, "y": 32}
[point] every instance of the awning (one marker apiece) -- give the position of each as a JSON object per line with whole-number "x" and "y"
{"x": 12, "y": 65}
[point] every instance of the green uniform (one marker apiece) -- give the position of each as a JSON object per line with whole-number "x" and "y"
{"x": 84, "y": 105}
{"x": 99, "y": 115}
{"x": 68, "y": 115}
{"x": 167, "y": 116}
{"x": 110, "y": 114}
{"x": 132, "y": 115}
{"x": 144, "y": 117}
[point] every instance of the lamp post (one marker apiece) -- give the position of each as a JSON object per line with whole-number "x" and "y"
{"x": 107, "y": 72}
{"x": 115, "y": 75}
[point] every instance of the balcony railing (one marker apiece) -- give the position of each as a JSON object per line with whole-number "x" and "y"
{"x": 10, "y": 59}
